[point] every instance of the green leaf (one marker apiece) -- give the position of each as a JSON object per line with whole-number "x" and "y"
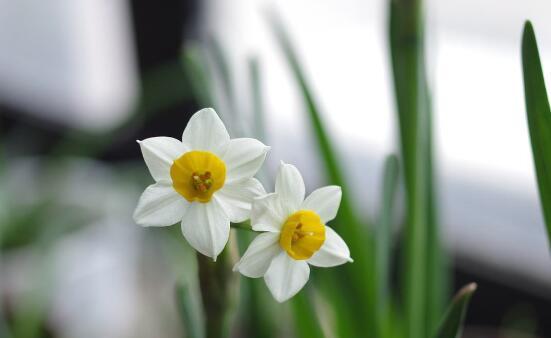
{"x": 424, "y": 272}
{"x": 190, "y": 310}
{"x": 258, "y": 113}
{"x": 222, "y": 68}
{"x": 227, "y": 107}
{"x": 355, "y": 304}
{"x": 257, "y": 102}
{"x": 452, "y": 323}
{"x": 307, "y": 324}
{"x": 382, "y": 243}
{"x": 539, "y": 119}
{"x": 438, "y": 277}
{"x": 196, "y": 72}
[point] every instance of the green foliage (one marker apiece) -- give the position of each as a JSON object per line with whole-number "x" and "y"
{"x": 383, "y": 244}
{"x": 306, "y": 326}
{"x": 359, "y": 278}
{"x": 424, "y": 283}
{"x": 452, "y": 323}
{"x": 190, "y": 311}
{"x": 539, "y": 118}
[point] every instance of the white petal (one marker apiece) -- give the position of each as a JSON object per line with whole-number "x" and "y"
{"x": 324, "y": 202}
{"x": 205, "y": 131}
{"x": 160, "y": 205}
{"x": 286, "y": 276}
{"x": 206, "y": 227}
{"x": 267, "y": 214}
{"x": 259, "y": 255}
{"x": 236, "y": 198}
{"x": 159, "y": 153}
{"x": 290, "y": 187}
{"x": 333, "y": 252}
{"x": 244, "y": 158}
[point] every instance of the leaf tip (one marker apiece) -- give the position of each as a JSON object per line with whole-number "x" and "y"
{"x": 527, "y": 33}
{"x": 528, "y": 27}
{"x": 467, "y": 290}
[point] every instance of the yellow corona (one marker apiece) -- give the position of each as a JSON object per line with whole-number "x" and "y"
{"x": 302, "y": 234}
{"x": 197, "y": 175}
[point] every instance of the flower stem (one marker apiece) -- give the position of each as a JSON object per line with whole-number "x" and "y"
{"x": 218, "y": 283}
{"x": 242, "y": 226}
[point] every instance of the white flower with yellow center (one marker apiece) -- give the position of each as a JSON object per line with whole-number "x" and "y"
{"x": 295, "y": 235}
{"x": 204, "y": 181}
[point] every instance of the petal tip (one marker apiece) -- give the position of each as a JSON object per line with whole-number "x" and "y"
{"x": 207, "y": 110}
{"x": 284, "y": 298}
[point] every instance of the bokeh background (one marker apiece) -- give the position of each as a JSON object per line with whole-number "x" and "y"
{"x": 80, "y": 81}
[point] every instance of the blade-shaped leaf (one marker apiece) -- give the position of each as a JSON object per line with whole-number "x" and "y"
{"x": 452, "y": 323}
{"x": 423, "y": 277}
{"x": 190, "y": 310}
{"x": 359, "y": 278}
{"x": 197, "y": 73}
{"x": 382, "y": 242}
{"x": 257, "y": 100}
{"x": 227, "y": 105}
{"x": 307, "y": 324}
{"x": 539, "y": 119}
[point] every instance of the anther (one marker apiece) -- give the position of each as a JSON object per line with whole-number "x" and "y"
{"x": 203, "y": 182}
{"x": 298, "y": 233}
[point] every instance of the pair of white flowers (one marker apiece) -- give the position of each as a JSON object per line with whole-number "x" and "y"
{"x": 206, "y": 181}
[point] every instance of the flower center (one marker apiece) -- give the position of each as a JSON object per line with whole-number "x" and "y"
{"x": 197, "y": 175}
{"x": 302, "y": 234}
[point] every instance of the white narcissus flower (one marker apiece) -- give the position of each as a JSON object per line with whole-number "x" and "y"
{"x": 295, "y": 235}
{"x": 204, "y": 181}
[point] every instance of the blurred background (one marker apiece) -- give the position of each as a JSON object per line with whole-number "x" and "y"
{"x": 80, "y": 81}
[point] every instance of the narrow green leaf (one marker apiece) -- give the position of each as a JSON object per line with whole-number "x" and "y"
{"x": 452, "y": 323}
{"x": 307, "y": 324}
{"x": 199, "y": 79}
{"x": 539, "y": 119}
{"x": 438, "y": 276}
{"x": 258, "y": 112}
{"x": 229, "y": 111}
{"x": 190, "y": 310}
{"x": 257, "y": 102}
{"x": 223, "y": 69}
{"x": 359, "y": 277}
{"x": 423, "y": 263}
{"x": 260, "y": 315}
{"x": 382, "y": 243}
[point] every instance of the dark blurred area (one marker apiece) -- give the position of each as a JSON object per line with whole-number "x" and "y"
{"x": 159, "y": 34}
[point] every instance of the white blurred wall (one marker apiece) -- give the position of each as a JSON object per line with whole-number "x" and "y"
{"x": 70, "y": 61}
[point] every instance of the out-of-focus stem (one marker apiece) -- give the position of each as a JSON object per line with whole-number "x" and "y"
{"x": 242, "y": 226}
{"x": 218, "y": 289}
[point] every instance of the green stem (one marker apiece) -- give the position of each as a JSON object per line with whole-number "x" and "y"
{"x": 218, "y": 283}
{"x": 242, "y": 226}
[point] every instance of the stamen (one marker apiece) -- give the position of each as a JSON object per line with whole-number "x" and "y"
{"x": 202, "y": 182}
{"x": 197, "y": 175}
{"x": 302, "y": 234}
{"x": 298, "y": 233}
